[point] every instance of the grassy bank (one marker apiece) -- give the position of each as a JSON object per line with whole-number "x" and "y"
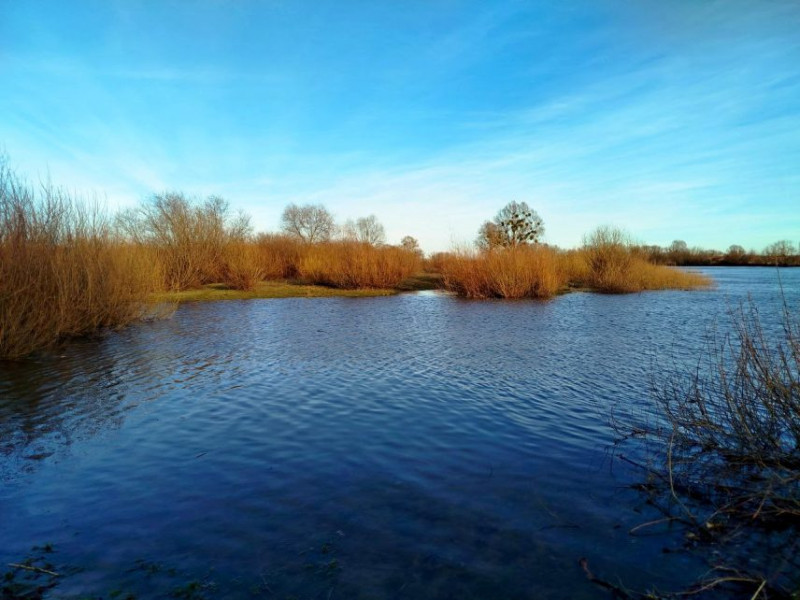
{"x": 265, "y": 289}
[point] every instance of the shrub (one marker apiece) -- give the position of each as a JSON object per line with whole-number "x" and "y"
{"x": 724, "y": 454}
{"x": 190, "y": 239}
{"x": 279, "y": 255}
{"x": 242, "y": 269}
{"x": 353, "y": 265}
{"x": 615, "y": 267}
{"x": 515, "y": 272}
{"x": 63, "y": 270}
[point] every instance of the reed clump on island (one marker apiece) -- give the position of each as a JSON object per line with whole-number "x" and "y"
{"x": 519, "y": 272}
{"x": 351, "y": 265}
{"x": 607, "y": 262}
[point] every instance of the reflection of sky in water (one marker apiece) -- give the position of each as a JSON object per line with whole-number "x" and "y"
{"x": 432, "y": 447}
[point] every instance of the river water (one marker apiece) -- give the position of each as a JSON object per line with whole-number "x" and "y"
{"x": 416, "y": 446}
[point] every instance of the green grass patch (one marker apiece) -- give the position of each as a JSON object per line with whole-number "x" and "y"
{"x": 265, "y": 289}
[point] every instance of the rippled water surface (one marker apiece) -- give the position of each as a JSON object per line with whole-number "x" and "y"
{"x": 416, "y": 446}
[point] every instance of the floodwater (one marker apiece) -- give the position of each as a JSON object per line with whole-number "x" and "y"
{"x": 416, "y": 446}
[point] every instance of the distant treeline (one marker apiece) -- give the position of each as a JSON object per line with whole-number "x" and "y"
{"x": 782, "y": 253}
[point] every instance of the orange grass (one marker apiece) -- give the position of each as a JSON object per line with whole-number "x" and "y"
{"x": 352, "y": 265}
{"x": 191, "y": 240}
{"x": 63, "y": 270}
{"x": 279, "y": 255}
{"x": 606, "y": 263}
{"x": 615, "y": 267}
{"x": 521, "y": 272}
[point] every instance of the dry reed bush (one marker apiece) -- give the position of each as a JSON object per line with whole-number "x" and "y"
{"x": 723, "y": 454}
{"x": 615, "y": 267}
{"x": 242, "y": 266}
{"x": 63, "y": 271}
{"x": 353, "y": 265}
{"x": 519, "y": 272}
{"x": 279, "y": 255}
{"x": 574, "y": 267}
{"x": 190, "y": 239}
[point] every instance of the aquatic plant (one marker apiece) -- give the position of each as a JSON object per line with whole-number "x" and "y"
{"x": 723, "y": 449}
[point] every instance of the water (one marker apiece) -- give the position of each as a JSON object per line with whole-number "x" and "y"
{"x": 417, "y": 446}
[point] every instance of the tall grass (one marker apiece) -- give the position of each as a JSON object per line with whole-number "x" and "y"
{"x": 279, "y": 255}
{"x": 356, "y": 265}
{"x": 607, "y": 263}
{"x": 192, "y": 240}
{"x": 614, "y": 266}
{"x": 63, "y": 270}
{"x": 518, "y": 272}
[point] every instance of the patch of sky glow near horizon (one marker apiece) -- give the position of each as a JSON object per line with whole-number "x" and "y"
{"x": 679, "y": 122}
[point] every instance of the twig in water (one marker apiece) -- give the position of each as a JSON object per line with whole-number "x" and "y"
{"x": 34, "y": 569}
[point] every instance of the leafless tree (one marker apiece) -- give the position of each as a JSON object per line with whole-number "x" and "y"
{"x": 411, "y": 244}
{"x": 781, "y": 248}
{"x": 366, "y": 229}
{"x": 490, "y": 236}
{"x": 310, "y": 223}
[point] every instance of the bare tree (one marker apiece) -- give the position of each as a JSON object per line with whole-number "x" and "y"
{"x": 781, "y": 249}
{"x": 411, "y": 244}
{"x": 366, "y": 229}
{"x": 514, "y": 225}
{"x": 370, "y": 231}
{"x": 310, "y": 223}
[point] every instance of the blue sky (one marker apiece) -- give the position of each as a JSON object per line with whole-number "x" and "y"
{"x": 674, "y": 120}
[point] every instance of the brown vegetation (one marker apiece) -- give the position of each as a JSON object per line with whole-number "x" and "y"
{"x": 607, "y": 263}
{"x": 193, "y": 242}
{"x": 615, "y": 266}
{"x": 516, "y": 272}
{"x": 353, "y": 265}
{"x": 782, "y": 253}
{"x": 278, "y": 255}
{"x": 63, "y": 270}
{"x": 723, "y": 451}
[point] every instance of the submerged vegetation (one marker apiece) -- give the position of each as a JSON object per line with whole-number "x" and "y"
{"x": 723, "y": 449}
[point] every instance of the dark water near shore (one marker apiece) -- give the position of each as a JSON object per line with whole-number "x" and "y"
{"x": 416, "y": 446}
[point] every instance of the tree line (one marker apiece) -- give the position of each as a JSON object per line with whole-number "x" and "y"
{"x": 781, "y": 253}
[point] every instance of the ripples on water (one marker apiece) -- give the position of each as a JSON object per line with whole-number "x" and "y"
{"x": 416, "y": 446}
